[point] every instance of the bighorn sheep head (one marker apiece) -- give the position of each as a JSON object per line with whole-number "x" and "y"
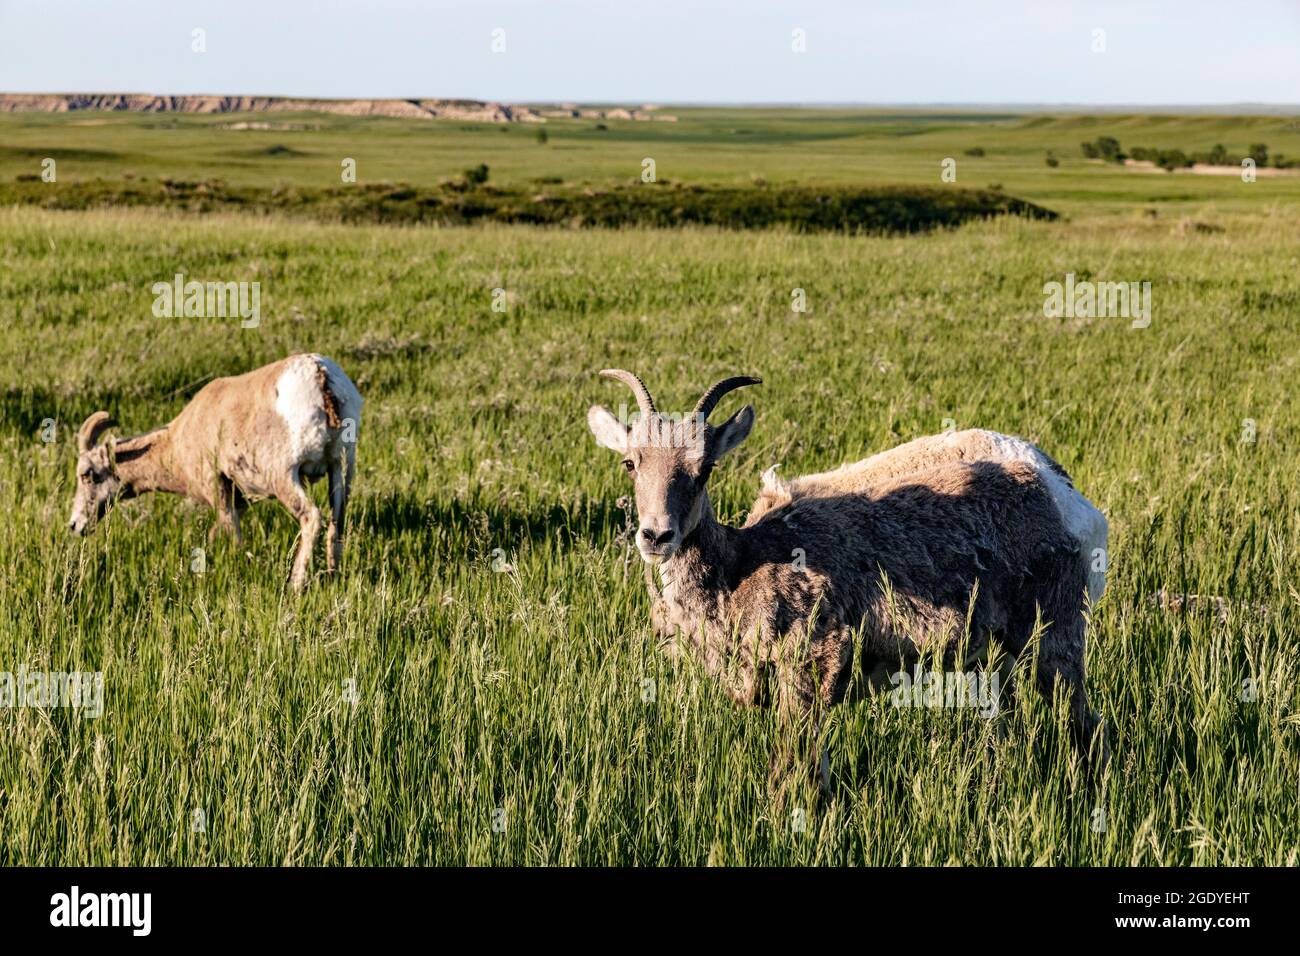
{"x": 98, "y": 483}
{"x": 670, "y": 458}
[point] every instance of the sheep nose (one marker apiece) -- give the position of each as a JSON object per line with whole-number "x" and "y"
{"x": 657, "y": 537}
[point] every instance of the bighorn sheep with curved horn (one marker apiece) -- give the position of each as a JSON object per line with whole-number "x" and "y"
{"x": 267, "y": 433}
{"x": 905, "y": 559}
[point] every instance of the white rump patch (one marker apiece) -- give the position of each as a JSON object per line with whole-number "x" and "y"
{"x": 1082, "y": 520}
{"x": 313, "y": 445}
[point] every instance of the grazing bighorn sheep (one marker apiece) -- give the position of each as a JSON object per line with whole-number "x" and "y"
{"x": 906, "y": 562}
{"x": 267, "y": 433}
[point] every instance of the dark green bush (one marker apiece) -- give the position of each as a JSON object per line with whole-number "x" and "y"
{"x": 880, "y": 209}
{"x": 1104, "y": 147}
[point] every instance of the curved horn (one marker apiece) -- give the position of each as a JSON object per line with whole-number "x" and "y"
{"x": 643, "y": 399}
{"x": 709, "y": 400}
{"x": 91, "y": 429}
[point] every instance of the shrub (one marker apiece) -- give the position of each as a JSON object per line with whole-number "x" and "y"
{"x": 1109, "y": 150}
{"x": 477, "y": 175}
{"x": 1166, "y": 159}
{"x": 1104, "y": 147}
{"x": 875, "y": 210}
{"x": 1171, "y": 159}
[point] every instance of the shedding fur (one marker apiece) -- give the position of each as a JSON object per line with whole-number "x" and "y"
{"x": 1085, "y": 524}
{"x": 327, "y": 397}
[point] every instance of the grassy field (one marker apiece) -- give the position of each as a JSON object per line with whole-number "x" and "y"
{"x": 705, "y": 147}
{"x": 496, "y": 632}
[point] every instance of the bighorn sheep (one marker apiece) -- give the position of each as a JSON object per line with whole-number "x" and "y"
{"x": 906, "y": 560}
{"x": 266, "y": 433}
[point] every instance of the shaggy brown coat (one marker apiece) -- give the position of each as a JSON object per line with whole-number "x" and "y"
{"x": 904, "y": 560}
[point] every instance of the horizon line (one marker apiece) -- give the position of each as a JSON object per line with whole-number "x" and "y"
{"x": 971, "y": 105}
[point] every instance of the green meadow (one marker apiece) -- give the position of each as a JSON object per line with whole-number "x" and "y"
{"x": 830, "y": 146}
{"x": 480, "y": 685}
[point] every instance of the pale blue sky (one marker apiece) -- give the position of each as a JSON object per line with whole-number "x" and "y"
{"x": 902, "y": 51}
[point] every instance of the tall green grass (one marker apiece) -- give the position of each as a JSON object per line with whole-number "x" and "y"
{"x": 498, "y": 636}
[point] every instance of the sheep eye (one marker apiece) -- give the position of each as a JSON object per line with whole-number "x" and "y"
{"x": 627, "y": 463}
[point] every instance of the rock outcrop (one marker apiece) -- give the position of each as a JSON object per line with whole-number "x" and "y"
{"x": 465, "y": 110}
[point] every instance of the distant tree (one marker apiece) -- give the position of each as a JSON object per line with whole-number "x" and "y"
{"x": 1171, "y": 159}
{"x": 1218, "y": 156}
{"x": 1052, "y": 160}
{"x": 975, "y": 151}
{"x": 477, "y": 175}
{"x": 1108, "y": 148}
{"x": 1104, "y": 147}
{"x": 1259, "y": 153}
{"x": 542, "y": 136}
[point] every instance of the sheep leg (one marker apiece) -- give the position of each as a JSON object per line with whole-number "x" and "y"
{"x": 338, "y": 505}
{"x": 1058, "y": 608}
{"x": 295, "y": 498}
{"x": 230, "y": 508}
{"x": 1059, "y": 669}
{"x": 800, "y": 767}
{"x": 802, "y": 694}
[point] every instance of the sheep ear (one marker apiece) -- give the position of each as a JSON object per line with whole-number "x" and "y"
{"x": 609, "y": 431}
{"x": 732, "y": 432}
